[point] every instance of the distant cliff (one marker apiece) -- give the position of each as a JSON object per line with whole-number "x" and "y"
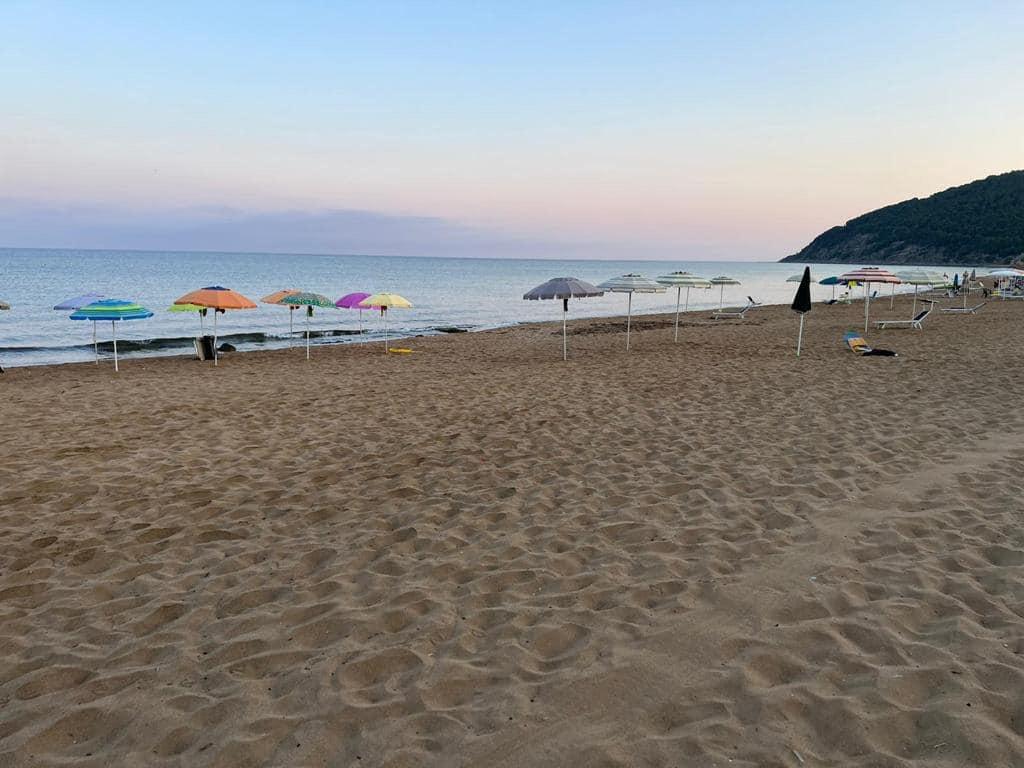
{"x": 978, "y": 223}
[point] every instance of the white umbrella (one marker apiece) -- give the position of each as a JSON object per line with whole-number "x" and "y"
{"x": 918, "y": 277}
{"x": 1004, "y": 274}
{"x": 869, "y": 275}
{"x": 680, "y": 280}
{"x": 723, "y": 280}
{"x": 630, "y": 284}
{"x": 563, "y": 288}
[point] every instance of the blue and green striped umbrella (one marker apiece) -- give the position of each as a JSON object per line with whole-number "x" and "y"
{"x": 112, "y": 310}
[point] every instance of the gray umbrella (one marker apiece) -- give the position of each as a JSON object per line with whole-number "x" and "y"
{"x": 563, "y": 288}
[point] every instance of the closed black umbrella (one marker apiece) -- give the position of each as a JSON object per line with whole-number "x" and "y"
{"x": 563, "y": 288}
{"x": 802, "y": 304}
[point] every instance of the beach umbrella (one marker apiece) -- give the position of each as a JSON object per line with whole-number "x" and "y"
{"x": 278, "y": 298}
{"x": 190, "y": 308}
{"x": 723, "y": 280}
{"x": 77, "y": 302}
{"x": 112, "y": 310}
{"x": 802, "y": 304}
{"x": 630, "y": 284}
{"x": 832, "y": 280}
{"x": 795, "y": 278}
{"x": 919, "y": 277}
{"x": 308, "y": 300}
{"x": 351, "y": 301}
{"x": 680, "y": 280}
{"x": 1005, "y": 274}
{"x": 563, "y": 288}
{"x": 219, "y": 299}
{"x": 385, "y": 301}
{"x": 869, "y": 275}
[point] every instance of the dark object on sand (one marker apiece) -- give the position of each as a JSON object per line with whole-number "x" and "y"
{"x": 226, "y": 347}
{"x": 449, "y": 329}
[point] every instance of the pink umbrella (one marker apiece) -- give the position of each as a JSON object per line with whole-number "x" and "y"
{"x": 351, "y": 301}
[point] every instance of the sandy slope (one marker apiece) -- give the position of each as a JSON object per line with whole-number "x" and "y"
{"x": 691, "y": 555}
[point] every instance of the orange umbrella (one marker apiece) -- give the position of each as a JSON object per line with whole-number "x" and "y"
{"x": 278, "y": 297}
{"x": 219, "y": 299}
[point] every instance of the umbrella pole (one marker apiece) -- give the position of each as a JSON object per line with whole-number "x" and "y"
{"x": 309, "y": 311}
{"x": 360, "y": 322}
{"x": 721, "y": 297}
{"x": 565, "y": 343}
{"x": 113, "y": 331}
{"x": 95, "y": 345}
{"x": 913, "y": 311}
{"x": 800, "y": 337}
{"x": 202, "y": 325}
{"x": 384, "y": 311}
{"x": 629, "y": 316}
{"x": 892, "y": 296}
{"x": 867, "y": 304}
{"x": 833, "y": 292}
{"x": 686, "y": 306}
{"x": 679, "y": 292}
{"x": 291, "y": 325}
{"x": 215, "y": 336}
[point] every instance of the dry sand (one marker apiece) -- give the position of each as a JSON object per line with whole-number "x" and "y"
{"x": 703, "y": 554}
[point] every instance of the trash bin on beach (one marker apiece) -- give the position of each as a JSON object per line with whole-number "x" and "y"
{"x": 204, "y": 347}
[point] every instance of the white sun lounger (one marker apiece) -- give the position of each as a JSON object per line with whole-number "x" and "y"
{"x": 740, "y": 314}
{"x": 915, "y": 323}
{"x": 965, "y": 310}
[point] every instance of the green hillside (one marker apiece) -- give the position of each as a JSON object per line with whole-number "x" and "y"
{"x": 974, "y": 224}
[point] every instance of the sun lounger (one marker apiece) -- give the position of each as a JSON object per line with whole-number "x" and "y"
{"x": 965, "y": 310}
{"x": 857, "y": 344}
{"x": 753, "y": 302}
{"x": 740, "y": 314}
{"x": 914, "y": 323}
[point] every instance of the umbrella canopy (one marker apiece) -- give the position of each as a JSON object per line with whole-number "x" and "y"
{"x": 309, "y": 301}
{"x": 217, "y": 297}
{"x": 832, "y": 280}
{"x": 385, "y": 301}
{"x": 191, "y": 308}
{"x": 722, "y": 281}
{"x": 78, "y": 301}
{"x": 630, "y": 284}
{"x": 680, "y": 280}
{"x": 1005, "y": 272}
{"x": 186, "y": 308}
{"x": 563, "y": 288}
{"x": 919, "y": 277}
{"x": 352, "y": 300}
{"x": 868, "y": 275}
{"x": 277, "y": 297}
{"x": 112, "y": 310}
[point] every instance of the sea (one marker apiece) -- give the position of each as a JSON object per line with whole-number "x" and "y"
{"x": 448, "y": 295}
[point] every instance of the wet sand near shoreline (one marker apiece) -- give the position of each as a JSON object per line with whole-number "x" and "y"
{"x": 704, "y": 554}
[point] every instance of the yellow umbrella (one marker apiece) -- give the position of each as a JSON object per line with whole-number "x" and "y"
{"x": 385, "y": 301}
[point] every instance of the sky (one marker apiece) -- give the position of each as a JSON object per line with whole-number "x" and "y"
{"x": 690, "y": 130}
